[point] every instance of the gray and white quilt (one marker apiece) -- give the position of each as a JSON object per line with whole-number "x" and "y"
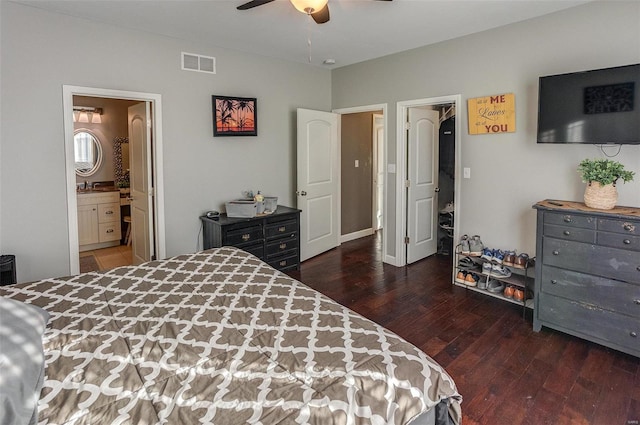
{"x": 220, "y": 337}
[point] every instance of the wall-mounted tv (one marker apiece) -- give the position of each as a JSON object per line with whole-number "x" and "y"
{"x": 601, "y": 106}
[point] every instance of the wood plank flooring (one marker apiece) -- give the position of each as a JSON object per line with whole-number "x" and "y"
{"x": 506, "y": 373}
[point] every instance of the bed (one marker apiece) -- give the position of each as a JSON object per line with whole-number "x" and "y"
{"x": 221, "y": 337}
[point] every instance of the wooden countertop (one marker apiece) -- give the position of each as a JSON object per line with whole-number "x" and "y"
{"x": 572, "y": 206}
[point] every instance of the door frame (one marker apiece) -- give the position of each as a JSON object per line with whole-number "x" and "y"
{"x": 386, "y": 258}
{"x": 375, "y": 164}
{"x": 68, "y": 91}
{"x": 402, "y": 110}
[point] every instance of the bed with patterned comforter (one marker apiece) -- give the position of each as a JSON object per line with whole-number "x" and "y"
{"x": 221, "y": 337}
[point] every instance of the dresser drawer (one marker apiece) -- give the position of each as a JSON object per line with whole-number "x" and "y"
{"x": 281, "y": 246}
{"x": 570, "y": 233}
{"x": 571, "y": 220}
{"x": 617, "y": 330}
{"x": 618, "y": 240}
{"x": 283, "y": 263}
{"x": 108, "y": 213}
{"x": 608, "y": 294}
{"x": 602, "y": 261}
{"x": 109, "y": 232}
{"x": 243, "y": 235}
{"x": 625, "y": 227}
{"x": 283, "y": 228}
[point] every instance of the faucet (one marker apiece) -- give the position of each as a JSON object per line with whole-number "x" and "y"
{"x": 87, "y": 185}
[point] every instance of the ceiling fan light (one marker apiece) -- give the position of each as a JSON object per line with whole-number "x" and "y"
{"x": 309, "y": 6}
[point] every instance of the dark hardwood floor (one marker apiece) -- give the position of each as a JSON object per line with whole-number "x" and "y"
{"x": 506, "y": 373}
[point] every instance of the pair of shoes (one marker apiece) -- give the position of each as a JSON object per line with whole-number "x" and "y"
{"x": 466, "y": 278}
{"x": 495, "y": 270}
{"x": 495, "y": 286}
{"x": 464, "y": 242}
{"x": 475, "y": 246}
{"x": 495, "y": 255}
{"x": 466, "y": 262}
{"x": 521, "y": 261}
{"x": 508, "y": 292}
{"x": 499, "y": 271}
{"x": 509, "y": 258}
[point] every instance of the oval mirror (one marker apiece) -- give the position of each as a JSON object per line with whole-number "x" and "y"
{"x": 87, "y": 152}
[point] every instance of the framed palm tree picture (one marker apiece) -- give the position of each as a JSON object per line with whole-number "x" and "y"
{"x": 234, "y": 116}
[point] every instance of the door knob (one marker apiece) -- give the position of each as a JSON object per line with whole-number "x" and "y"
{"x": 437, "y": 189}
{"x": 303, "y": 193}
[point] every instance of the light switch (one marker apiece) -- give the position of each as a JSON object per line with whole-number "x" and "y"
{"x": 391, "y": 168}
{"x": 357, "y": 163}
{"x": 467, "y": 173}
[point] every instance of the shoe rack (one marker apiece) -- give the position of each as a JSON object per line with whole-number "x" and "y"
{"x": 522, "y": 279}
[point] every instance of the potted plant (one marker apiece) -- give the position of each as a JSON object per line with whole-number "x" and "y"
{"x": 601, "y": 176}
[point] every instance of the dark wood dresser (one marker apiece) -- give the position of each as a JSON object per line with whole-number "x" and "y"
{"x": 273, "y": 238}
{"x": 588, "y": 273}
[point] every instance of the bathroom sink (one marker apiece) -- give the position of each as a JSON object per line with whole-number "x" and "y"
{"x": 99, "y": 189}
{"x": 105, "y": 189}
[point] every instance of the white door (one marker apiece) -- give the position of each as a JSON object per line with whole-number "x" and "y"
{"x": 422, "y": 176}
{"x": 378, "y": 171}
{"x": 318, "y": 182}
{"x": 141, "y": 182}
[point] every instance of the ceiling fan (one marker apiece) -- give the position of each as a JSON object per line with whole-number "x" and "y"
{"x": 317, "y": 9}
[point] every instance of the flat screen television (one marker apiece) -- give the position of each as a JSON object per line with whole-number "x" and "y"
{"x": 601, "y": 106}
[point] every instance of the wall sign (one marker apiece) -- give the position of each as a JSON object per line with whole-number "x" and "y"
{"x": 492, "y": 114}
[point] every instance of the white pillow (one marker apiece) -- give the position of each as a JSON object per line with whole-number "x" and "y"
{"x": 21, "y": 361}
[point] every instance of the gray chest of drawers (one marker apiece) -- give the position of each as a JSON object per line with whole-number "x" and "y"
{"x": 272, "y": 238}
{"x": 588, "y": 273}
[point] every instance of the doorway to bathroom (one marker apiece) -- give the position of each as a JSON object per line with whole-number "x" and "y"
{"x": 116, "y": 214}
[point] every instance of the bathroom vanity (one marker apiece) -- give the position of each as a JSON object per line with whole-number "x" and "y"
{"x": 98, "y": 219}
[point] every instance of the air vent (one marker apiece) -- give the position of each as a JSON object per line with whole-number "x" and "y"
{"x": 199, "y": 63}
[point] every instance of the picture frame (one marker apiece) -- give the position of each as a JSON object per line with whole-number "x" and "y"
{"x": 234, "y": 116}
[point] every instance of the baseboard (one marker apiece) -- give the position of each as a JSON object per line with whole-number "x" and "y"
{"x": 356, "y": 235}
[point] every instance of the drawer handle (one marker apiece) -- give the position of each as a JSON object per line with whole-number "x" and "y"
{"x": 281, "y": 229}
{"x": 626, "y": 241}
{"x": 553, "y": 281}
{"x": 567, "y": 233}
{"x": 110, "y": 231}
{"x": 556, "y": 252}
{"x": 283, "y": 246}
{"x": 283, "y": 263}
{"x": 567, "y": 219}
{"x": 246, "y": 237}
{"x": 633, "y": 334}
{"x": 108, "y": 212}
{"x": 628, "y": 227}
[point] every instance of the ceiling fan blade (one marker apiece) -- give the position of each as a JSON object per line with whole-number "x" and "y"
{"x": 253, "y": 3}
{"x": 322, "y": 15}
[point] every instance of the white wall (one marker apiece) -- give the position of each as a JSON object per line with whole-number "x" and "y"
{"x": 509, "y": 172}
{"x": 43, "y": 51}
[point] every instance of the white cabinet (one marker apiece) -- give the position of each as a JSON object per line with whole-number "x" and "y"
{"x": 98, "y": 220}
{"x": 87, "y": 224}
